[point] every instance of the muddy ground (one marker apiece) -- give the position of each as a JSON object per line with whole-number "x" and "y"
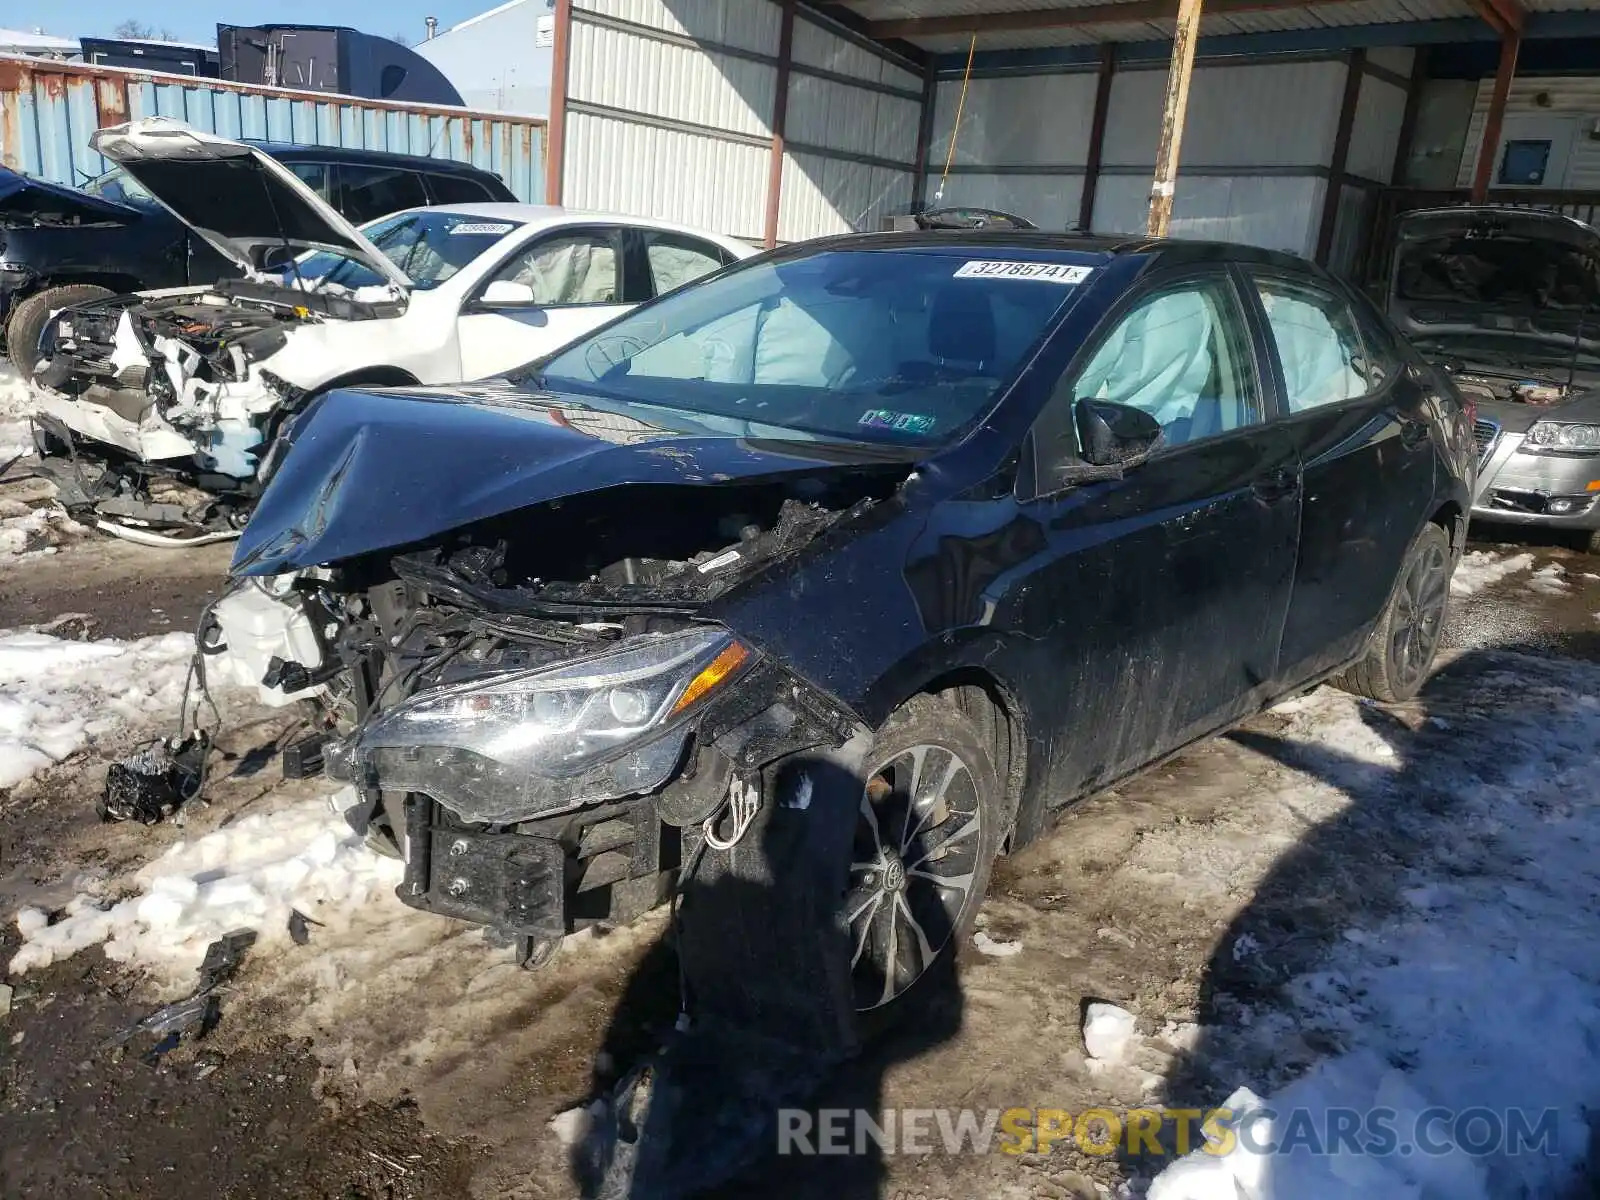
{"x": 409, "y": 1059}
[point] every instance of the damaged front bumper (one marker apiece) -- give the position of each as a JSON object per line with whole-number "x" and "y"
{"x": 508, "y": 827}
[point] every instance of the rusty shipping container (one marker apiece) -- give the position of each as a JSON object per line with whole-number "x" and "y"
{"x": 48, "y": 110}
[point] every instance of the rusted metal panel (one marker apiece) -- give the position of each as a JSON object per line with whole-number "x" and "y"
{"x": 49, "y": 109}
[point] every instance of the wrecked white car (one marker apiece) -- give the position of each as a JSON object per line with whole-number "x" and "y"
{"x": 175, "y": 397}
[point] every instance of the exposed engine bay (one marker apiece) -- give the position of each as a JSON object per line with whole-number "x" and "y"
{"x": 177, "y": 394}
{"x": 534, "y": 708}
{"x": 1479, "y": 384}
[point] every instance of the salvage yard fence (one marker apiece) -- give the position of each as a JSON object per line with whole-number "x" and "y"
{"x": 48, "y": 110}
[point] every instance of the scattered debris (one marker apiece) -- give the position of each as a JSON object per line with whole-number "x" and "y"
{"x": 994, "y": 948}
{"x": 198, "y": 1012}
{"x": 73, "y": 626}
{"x": 299, "y": 927}
{"x": 157, "y": 781}
{"x": 1108, "y": 1032}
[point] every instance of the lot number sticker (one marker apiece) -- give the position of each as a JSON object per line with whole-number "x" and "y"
{"x": 1043, "y": 272}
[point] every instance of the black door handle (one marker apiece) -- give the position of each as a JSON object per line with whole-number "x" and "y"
{"x": 1275, "y": 485}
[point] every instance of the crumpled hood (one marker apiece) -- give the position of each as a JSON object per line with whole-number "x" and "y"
{"x": 376, "y": 470}
{"x": 25, "y": 198}
{"x": 232, "y": 194}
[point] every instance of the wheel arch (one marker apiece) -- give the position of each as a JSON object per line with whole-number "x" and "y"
{"x": 995, "y": 706}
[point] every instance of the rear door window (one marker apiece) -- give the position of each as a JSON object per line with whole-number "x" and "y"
{"x": 457, "y": 189}
{"x": 363, "y": 191}
{"x": 1319, "y": 345}
{"x": 313, "y": 174}
{"x": 676, "y": 260}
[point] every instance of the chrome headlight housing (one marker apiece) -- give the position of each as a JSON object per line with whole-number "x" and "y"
{"x": 523, "y": 744}
{"x": 1554, "y": 437}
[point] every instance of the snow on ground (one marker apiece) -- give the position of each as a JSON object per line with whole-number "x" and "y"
{"x": 15, "y": 405}
{"x": 1479, "y": 568}
{"x": 248, "y": 874}
{"x": 1483, "y": 993}
{"x": 26, "y": 531}
{"x": 1549, "y": 580}
{"x": 57, "y": 696}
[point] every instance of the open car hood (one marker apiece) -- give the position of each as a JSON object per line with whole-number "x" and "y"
{"x": 24, "y": 198}
{"x": 233, "y": 195}
{"x": 1513, "y": 275}
{"x": 366, "y": 471}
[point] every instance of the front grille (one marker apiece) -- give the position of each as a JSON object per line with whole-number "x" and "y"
{"x": 1484, "y": 436}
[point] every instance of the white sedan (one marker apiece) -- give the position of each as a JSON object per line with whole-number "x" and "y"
{"x": 197, "y": 381}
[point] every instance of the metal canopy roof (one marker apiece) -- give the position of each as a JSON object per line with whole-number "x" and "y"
{"x": 941, "y": 27}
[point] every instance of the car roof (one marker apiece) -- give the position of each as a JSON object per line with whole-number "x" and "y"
{"x": 292, "y": 151}
{"x": 551, "y": 216}
{"x": 1104, "y": 247}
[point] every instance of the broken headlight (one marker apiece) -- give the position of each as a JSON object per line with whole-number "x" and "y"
{"x": 1557, "y": 436}
{"x": 527, "y": 743}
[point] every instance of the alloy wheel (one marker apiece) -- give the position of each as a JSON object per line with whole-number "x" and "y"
{"x": 1419, "y": 614}
{"x": 918, "y": 843}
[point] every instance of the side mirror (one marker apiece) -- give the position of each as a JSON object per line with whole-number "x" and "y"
{"x": 506, "y": 293}
{"x": 1115, "y": 435}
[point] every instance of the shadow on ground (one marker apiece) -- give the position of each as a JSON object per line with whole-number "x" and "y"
{"x": 1490, "y": 790}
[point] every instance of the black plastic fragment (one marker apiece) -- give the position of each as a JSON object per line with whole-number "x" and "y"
{"x": 197, "y": 1013}
{"x": 155, "y": 782}
{"x": 303, "y": 759}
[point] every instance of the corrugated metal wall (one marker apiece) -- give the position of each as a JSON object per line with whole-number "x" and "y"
{"x": 670, "y": 108}
{"x": 1564, "y": 108}
{"x": 1257, "y": 146}
{"x": 49, "y": 109}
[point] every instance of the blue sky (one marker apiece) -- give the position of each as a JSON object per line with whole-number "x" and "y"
{"x": 194, "y": 22}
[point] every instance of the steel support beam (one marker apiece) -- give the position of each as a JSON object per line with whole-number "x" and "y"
{"x": 780, "y": 120}
{"x": 1173, "y": 112}
{"x": 1489, "y": 151}
{"x": 555, "y": 149}
{"x": 1341, "y": 154}
{"x": 1097, "y": 134}
{"x": 930, "y": 100}
{"x": 1408, "y": 119}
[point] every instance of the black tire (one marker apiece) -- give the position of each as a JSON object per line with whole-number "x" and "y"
{"x": 27, "y": 322}
{"x": 1407, "y": 637}
{"x": 891, "y": 894}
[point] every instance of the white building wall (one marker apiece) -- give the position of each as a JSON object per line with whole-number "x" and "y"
{"x": 496, "y": 61}
{"x": 670, "y": 107}
{"x": 1563, "y": 108}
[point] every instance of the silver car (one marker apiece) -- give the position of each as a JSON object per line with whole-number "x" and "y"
{"x": 1507, "y": 301}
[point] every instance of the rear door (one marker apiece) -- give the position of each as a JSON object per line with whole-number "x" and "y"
{"x": 1360, "y": 425}
{"x": 672, "y": 260}
{"x": 1160, "y": 597}
{"x": 572, "y": 281}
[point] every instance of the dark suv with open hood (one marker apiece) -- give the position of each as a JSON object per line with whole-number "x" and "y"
{"x": 809, "y": 587}
{"x": 1507, "y": 302}
{"x": 61, "y": 246}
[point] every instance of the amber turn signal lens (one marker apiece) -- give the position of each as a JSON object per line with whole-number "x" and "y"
{"x": 714, "y": 672}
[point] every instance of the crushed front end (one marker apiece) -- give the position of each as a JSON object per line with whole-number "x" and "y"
{"x": 547, "y": 735}
{"x": 155, "y": 411}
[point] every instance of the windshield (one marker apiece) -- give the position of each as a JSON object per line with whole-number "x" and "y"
{"x": 116, "y": 184}
{"x": 906, "y": 346}
{"x": 427, "y": 245}
{"x": 1499, "y": 271}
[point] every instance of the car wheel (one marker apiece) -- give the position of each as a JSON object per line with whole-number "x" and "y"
{"x": 1407, "y": 637}
{"x": 27, "y": 322}
{"x": 926, "y": 833}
